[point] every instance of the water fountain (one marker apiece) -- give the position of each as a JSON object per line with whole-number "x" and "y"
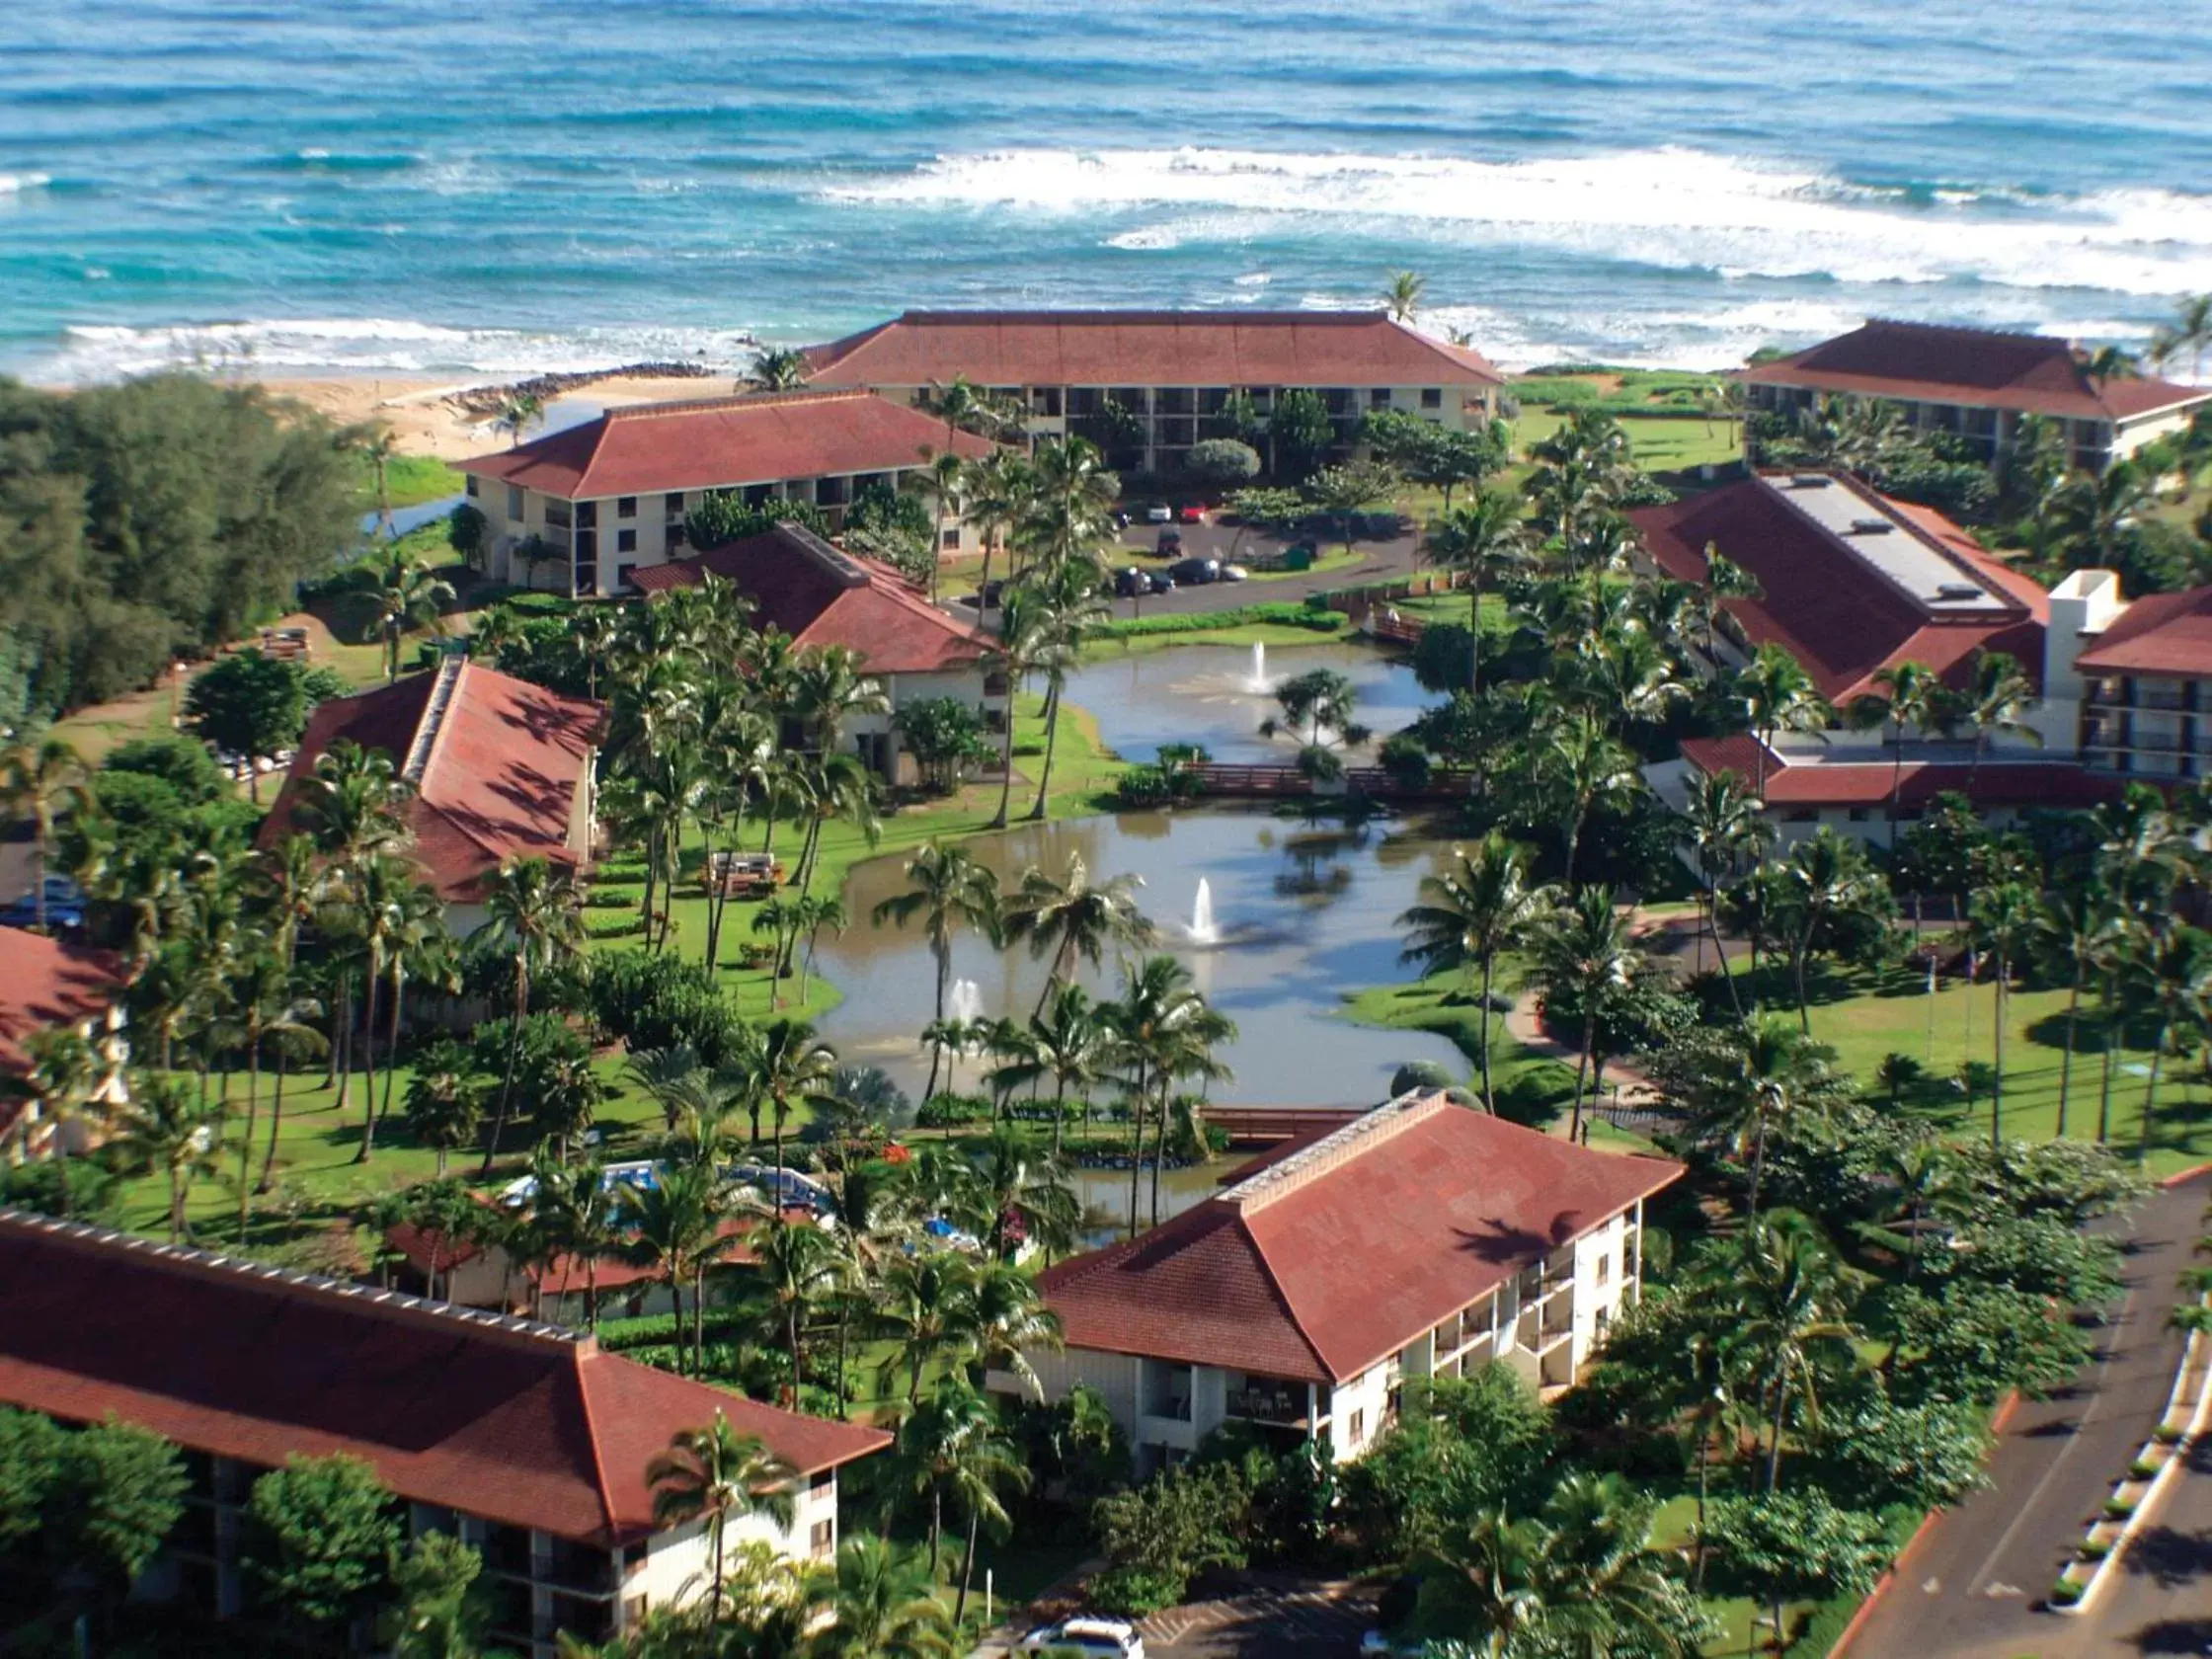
{"x": 965, "y": 1001}
{"x": 1204, "y": 930}
{"x": 1257, "y": 682}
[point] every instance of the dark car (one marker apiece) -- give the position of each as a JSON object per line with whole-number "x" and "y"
{"x": 66, "y": 906}
{"x": 1131, "y": 583}
{"x": 1162, "y": 582}
{"x": 994, "y": 591}
{"x": 1195, "y": 572}
{"x": 1170, "y": 543}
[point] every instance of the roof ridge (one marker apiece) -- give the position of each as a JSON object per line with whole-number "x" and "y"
{"x": 1140, "y": 313}
{"x": 375, "y": 1303}
{"x": 600, "y": 1485}
{"x": 735, "y": 400}
{"x": 431, "y": 728}
{"x": 1333, "y": 1151}
{"x": 1893, "y": 511}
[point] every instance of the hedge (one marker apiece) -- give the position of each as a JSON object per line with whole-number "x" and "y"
{"x": 1212, "y": 621}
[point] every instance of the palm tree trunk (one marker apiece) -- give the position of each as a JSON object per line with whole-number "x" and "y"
{"x": 1060, "y": 1115}
{"x": 936, "y": 1050}
{"x": 675, "y": 1307}
{"x": 1490, "y": 969}
{"x": 514, "y": 1062}
{"x": 1800, "y": 948}
{"x": 792, "y": 1321}
{"x": 1052, "y": 739}
{"x": 391, "y": 1037}
{"x": 968, "y": 1565}
{"x": 1137, "y": 1159}
{"x": 276, "y": 1123}
{"x": 1582, "y": 1072}
{"x": 1006, "y": 761}
{"x": 1997, "y": 1078}
{"x": 936, "y": 1497}
{"x": 1159, "y": 1154}
{"x": 176, "y": 1205}
{"x": 1705, "y": 1461}
{"x": 2150, "y": 1092}
{"x": 369, "y": 1056}
{"x": 1720, "y": 951}
{"x": 699, "y": 1318}
{"x": 246, "y": 1141}
{"x": 2066, "y": 1061}
{"x": 1758, "y": 1163}
{"x": 2104, "y": 1065}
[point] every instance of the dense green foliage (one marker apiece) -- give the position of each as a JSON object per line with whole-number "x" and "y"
{"x": 156, "y": 518}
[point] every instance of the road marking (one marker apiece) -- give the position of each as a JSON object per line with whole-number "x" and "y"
{"x": 2096, "y": 1398}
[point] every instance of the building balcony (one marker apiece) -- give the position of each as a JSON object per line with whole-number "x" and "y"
{"x": 1281, "y": 1405}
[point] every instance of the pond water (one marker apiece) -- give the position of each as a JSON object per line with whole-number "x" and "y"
{"x": 1208, "y": 695}
{"x": 1301, "y": 912}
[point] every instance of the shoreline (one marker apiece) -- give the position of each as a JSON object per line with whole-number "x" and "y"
{"x": 431, "y": 415}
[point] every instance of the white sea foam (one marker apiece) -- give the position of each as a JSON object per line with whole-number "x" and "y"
{"x": 13, "y": 183}
{"x": 1672, "y": 207}
{"x": 385, "y": 344}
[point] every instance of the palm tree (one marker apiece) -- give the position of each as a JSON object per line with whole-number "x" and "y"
{"x": 1479, "y": 908}
{"x": 1769, "y": 1076}
{"x": 800, "y": 1265}
{"x": 1402, "y": 294}
{"x": 778, "y": 369}
{"x": 952, "y": 1446}
{"x": 1790, "y": 1300}
{"x": 404, "y": 595}
{"x": 583, "y": 1217}
{"x": 1912, "y": 694}
{"x": 374, "y": 916}
{"x": 1994, "y": 701}
{"x": 168, "y": 1130}
{"x": 1074, "y": 918}
{"x": 1726, "y": 829}
{"x": 884, "y": 1606}
{"x": 1778, "y": 696}
{"x": 791, "y": 1065}
{"x": 442, "y": 1103}
{"x": 1070, "y": 609}
{"x": 64, "y": 1077}
{"x": 1584, "y": 956}
{"x": 942, "y": 482}
{"x": 1028, "y": 640}
{"x": 2004, "y": 920}
{"x": 716, "y": 1475}
{"x": 2075, "y": 924}
{"x": 533, "y": 915}
{"x": 1070, "y": 1041}
{"x": 926, "y": 1311}
{"x": 1825, "y": 879}
{"x": 1162, "y": 1029}
{"x": 947, "y": 889}
{"x": 269, "y": 1010}
{"x": 676, "y": 1227}
{"x": 2173, "y": 975}
{"x": 1484, "y": 538}
{"x": 44, "y": 782}
{"x": 1582, "y": 766}
{"x": 379, "y": 445}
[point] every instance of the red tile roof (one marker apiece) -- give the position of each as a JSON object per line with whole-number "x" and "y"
{"x": 719, "y": 443}
{"x": 499, "y": 776}
{"x": 1326, "y": 1261}
{"x": 1923, "y": 363}
{"x": 46, "y": 983}
{"x": 2162, "y": 635}
{"x": 1833, "y": 611}
{"x": 822, "y": 595}
{"x": 1148, "y": 348}
{"x": 516, "y": 1422}
{"x": 1866, "y": 784}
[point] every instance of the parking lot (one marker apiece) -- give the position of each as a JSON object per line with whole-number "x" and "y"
{"x": 1298, "y": 1616}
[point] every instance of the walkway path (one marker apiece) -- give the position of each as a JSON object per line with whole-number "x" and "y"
{"x": 1973, "y": 1587}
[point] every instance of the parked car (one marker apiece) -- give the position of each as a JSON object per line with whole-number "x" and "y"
{"x": 1109, "y": 1638}
{"x": 1160, "y": 513}
{"x": 994, "y": 591}
{"x": 1129, "y": 582}
{"x": 1162, "y": 582}
{"x": 1236, "y": 573}
{"x": 1194, "y": 512}
{"x": 66, "y": 906}
{"x": 1196, "y": 572}
{"x": 1171, "y": 542}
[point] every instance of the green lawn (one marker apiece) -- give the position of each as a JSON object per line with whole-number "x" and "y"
{"x": 411, "y": 480}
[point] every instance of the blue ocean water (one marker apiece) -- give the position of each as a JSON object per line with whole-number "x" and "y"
{"x": 474, "y": 188}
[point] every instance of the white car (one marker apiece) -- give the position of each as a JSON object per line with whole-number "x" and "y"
{"x": 1160, "y": 513}
{"x": 1094, "y": 1639}
{"x": 1236, "y": 573}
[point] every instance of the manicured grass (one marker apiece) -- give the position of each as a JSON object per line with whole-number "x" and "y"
{"x": 1662, "y": 443}
{"x": 411, "y": 480}
{"x": 1864, "y": 1018}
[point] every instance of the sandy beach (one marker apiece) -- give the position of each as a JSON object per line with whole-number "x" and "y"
{"x": 428, "y": 421}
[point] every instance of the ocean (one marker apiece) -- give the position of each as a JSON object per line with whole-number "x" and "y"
{"x": 477, "y": 189}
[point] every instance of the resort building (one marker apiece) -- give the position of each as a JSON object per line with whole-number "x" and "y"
{"x": 582, "y": 511}
{"x": 1172, "y": 370}
{"x": 1423, "y": 1238}
{"x": 820, "y": 595}
{"x": 48, "y": 984}
{"x": 496, "y": 768}
{"x": 522, "y": 1439}
{"x": 1850, "y": 582}
{"x": 1977, "y": 384}
{"x": 2137, "y": 676}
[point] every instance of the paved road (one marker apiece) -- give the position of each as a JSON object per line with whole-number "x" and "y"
{"x": 1974, "y": 1586}
{"x": 2162, "y": 1602}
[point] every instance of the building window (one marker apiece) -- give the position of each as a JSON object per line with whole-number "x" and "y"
{"x": 588, "y": 515}
{"x": 625, "y": 541}
{"x": 675, "y": 504}
{"x": 951, "y": 540}
{"x": 1378, "y": 397}
{"x": 470, "y": 485}
{"x": 1802, "y": 815}
{"x": 1355, "y": 1428}
{"x": 625, "y": 507}
{"x": 1860, "y": 815}
{"x": 623, "y": 575}
{"x": 679, "y": 536}
{"x": 514, "y": 503}
{"x": 1431, "y": 397}
{"x": 822, "y": 1539}
{"x": 1602, "y": 1320}
{"x": 1605, "y": 1270}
